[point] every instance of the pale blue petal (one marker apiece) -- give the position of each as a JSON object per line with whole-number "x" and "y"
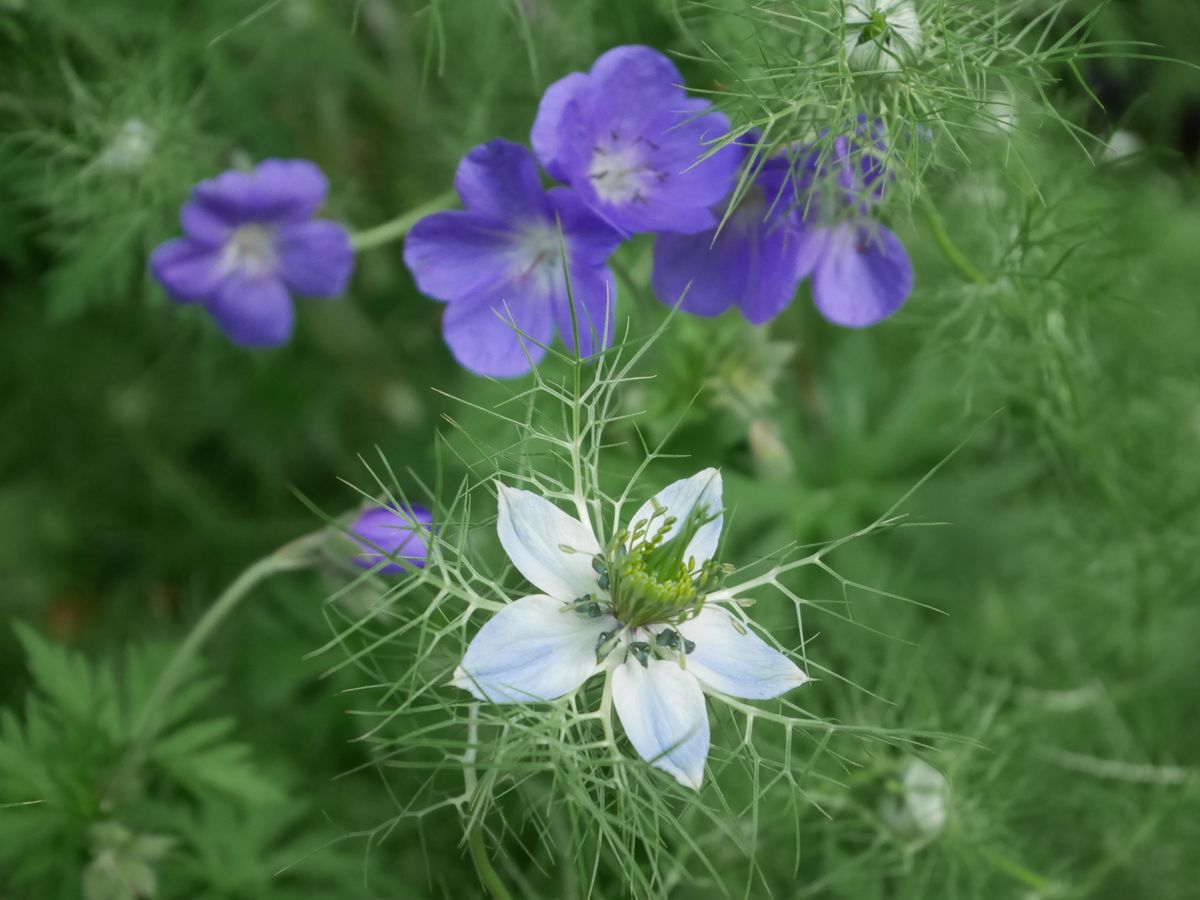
{"x": 662, "y": 710}
{"x": 730, "y": 658}
{"x": 550, "y": 548}
{"x": 534, "y": 649}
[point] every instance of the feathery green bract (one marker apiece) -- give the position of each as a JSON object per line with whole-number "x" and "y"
{"x": 555, "y": 782}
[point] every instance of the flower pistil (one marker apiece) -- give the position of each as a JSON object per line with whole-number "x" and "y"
{"x": 649, "y": 577}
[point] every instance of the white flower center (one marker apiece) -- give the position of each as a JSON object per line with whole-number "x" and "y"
{"x": 250, "y": 250}
{"x": 537, "y": 257}
{"x": 621, "y": 172}
{"x": 751, "y": 211}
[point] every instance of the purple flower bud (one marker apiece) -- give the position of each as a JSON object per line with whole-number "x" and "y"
{"x": 402, "y": 535}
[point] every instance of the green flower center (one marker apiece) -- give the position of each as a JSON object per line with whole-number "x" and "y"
{"x": 648, "y": 575}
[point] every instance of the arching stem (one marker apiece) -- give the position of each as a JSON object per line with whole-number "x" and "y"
{"x": 949, "y": 249}
{"x": 398, "y": 227}
{"x": 293, "y": 555}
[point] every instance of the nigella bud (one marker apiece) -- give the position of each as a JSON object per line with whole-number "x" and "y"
{"x": 881, "y": 35}
{"x": 130, "y": 148}
{"x": 768, "y": 450}
{"x": 398, "y": 536}
{"x": 920, "y": 810}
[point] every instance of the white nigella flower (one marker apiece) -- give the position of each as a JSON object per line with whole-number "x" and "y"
{"x": 634, "y": 609}
{"x": 881, "y": 34}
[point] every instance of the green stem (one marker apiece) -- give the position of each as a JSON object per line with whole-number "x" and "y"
{"x": 292, "y": 555}
{"x": 640, "y": 301}
{"x": 1017, "y": 870}
{"x": 947, "y": 246}
{"x": 400, "y": 226}
{"x": 488, "y": 876}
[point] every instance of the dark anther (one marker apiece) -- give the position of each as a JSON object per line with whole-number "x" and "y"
{"x": 688, "y": 646}
{"x": 601, "y": 650}
{"x": 641, "y": 652}
{"x": 668, "y": 638}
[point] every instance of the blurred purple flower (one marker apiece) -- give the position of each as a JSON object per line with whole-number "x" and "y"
{"x": 499, "y": 264}
{"x": 399, "y": 534}
{"x": 777, "y": 236}
{"x": 628, "y": 138}
{"x": 250, "y": 240}
{"x": 861, "y": 273}
{"x": 753, "y": 261}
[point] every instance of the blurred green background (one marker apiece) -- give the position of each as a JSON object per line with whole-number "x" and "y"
{"x": 145, "y": 461}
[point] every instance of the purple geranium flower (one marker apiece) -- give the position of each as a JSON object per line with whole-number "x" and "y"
{"x": 752, "y": 261}
{"x": 400, "y": 534}
{"x": 499, "y": 264}
{"x": 628, "y": 138}
{"x": 860, "y": 270}
{"x": 250, "y": 241}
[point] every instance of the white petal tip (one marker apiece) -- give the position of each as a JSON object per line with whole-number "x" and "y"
{"x": 693, "y": 780}
{"x": 460, "y": 679}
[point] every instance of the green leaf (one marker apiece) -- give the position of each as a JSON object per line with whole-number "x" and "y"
{"x": 65, "y": 678}
{"x": 220, "y": 767}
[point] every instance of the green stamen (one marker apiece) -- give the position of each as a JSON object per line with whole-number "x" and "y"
{"x": 648, "y": 576}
